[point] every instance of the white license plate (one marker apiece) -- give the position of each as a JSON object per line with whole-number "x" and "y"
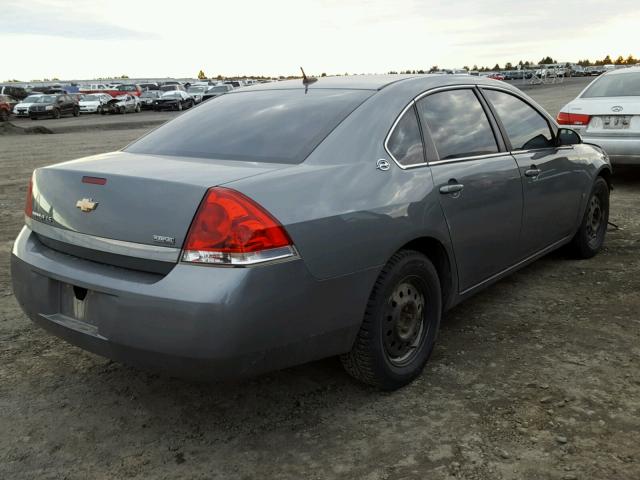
{"x": 616, "y": 122}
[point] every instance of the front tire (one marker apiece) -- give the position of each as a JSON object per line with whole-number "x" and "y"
{"x": 76, "y": 112}
{"x": 400, "y": 324}
{"x": 589, "y": 238}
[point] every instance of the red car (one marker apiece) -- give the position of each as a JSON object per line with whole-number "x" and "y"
{"x": 496, "y": 76}
{"x": 5, "y": 109}
{"x": 124, "y": 89}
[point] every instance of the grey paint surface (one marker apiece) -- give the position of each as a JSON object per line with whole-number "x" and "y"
{"x": 346, "y": 219}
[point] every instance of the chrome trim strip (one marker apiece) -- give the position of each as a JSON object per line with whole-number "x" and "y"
{"x": 516, "y": 265}
{"x": 109, "y": 245}
{"x": 474, "y": 157}
{"x": 444, "y": 88}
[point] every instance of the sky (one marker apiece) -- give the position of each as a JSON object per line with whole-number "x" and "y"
{"x": 80, "y": 39}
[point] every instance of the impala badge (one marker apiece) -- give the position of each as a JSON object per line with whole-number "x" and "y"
{"x": 86, "y": 204}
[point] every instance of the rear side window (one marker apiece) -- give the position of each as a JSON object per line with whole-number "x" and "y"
{"x": 458, "y": 124}
{"x": 615, "y": 85}
{"x": 278, "y": 126}
{"x": 405, "y": 142}
{"x": 526, "y": 128}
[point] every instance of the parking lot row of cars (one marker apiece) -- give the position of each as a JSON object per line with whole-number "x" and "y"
{"x": 104, "y": 98}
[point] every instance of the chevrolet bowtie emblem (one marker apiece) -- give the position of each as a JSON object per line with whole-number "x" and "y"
{"x": 86, "y": 204}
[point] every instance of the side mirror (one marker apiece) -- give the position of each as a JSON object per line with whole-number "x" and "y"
{"x": 566, "y": 136}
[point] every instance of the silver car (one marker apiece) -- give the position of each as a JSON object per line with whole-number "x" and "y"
{"x": 607, "y": 113}
{"x": 284, "y": 223}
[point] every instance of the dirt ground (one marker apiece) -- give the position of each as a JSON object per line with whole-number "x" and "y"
{"x": 535, "y": 378}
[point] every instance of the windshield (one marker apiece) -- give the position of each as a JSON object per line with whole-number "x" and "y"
{"x": 173, "y": 94}
{"x": 280, "y": 126}
{"x": 149, "y": 94}
{"x": 30, "y": 99}
{"x": 91, "y": 98}
{"x": 126, "y": 88}
{"x": 616, "y": 85}
{"x": 195, "y": 89}
{"x": 45, "y": 99}
{"x": 219, "y": 89}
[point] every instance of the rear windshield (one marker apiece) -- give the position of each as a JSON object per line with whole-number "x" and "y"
{"x": 616, "y": 85}
{"x": 280, "y": 126}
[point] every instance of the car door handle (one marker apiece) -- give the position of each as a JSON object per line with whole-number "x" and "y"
{"x": 532, "y": 171}
{"x": 451, "y": 188}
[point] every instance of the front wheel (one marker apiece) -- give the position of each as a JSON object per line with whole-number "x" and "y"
{"x": 76, "y": 112}
{"x": 138, "y": 108}
{"x": 589, "y": 238}
{"x": 179, "y": 106}
{"x": 56, "y": 114}
{"x": 400, "y": 324}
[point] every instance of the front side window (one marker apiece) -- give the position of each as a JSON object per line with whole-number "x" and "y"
{"x": 526, "y": 128}
{"x": 405, "y": 142}
{"x": 458, "y": 124}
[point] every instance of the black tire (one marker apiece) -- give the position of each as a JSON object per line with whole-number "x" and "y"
{"x": 33, "y": 117}
{"x": 138, "y": 108}
{"x": 4, "y": 115}
{"x": 56, "y": 114}
{"x": 99, "y": 109}
{"x": 76, "y": 112}
{"x": 589, "y": 238}
{"x": 179, "y": 106}
{"x": 403, "y": 314}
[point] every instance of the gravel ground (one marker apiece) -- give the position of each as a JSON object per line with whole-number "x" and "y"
{"x": 534, "y": 378}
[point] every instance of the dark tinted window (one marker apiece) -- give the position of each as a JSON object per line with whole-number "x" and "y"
{"x": 405, "y": 143}
{"x": 615, "y": 85}
{"x": 525, "y": 127}
{"x": 262, "y": 126}
{"x": 457, "y": 123}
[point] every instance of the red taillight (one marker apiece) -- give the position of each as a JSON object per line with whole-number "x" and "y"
{"x": 230, "y": 228}
{"x": 94, "y": 180}
{"x": 565, "y": 118}
{"x": 28, "y": 205}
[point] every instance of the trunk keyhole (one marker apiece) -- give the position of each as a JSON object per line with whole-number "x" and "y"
{"x": 80, "y": 293}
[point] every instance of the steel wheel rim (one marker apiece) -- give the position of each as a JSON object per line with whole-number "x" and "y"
{"x": 404, "y": 326}
{"x": 595, "y": 219}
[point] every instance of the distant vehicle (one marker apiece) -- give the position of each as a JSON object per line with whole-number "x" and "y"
{"x": 607, "y": 114}
{"x": 122, "y": 104}
{"x": 16, "y": 92}
{"x": 197, "y": 92}
{"x": 5, "y": 109}
{"x": 147, "y": 98}
{"x": 93, "y": 102}
{"x": 233, "y": 83}
{"x": 8, "y": 99}
{"x": 216, "y": 91}
{"x": 93, "y": 87}
{"x": 594, "y": 71}
{"x": 53, "y": 106}
{"x": 459, "y": 71}
{"x": 148, "y": 86}
{"x": 577, "y": 71}
{"x": 172, "y": 87}
{"x": 174, "y": 100}
{"x": 496, "y": 76}
{"x": 22, "y": 108}
{"x": 129, "y": 89}
{"x": 552, "y": 70}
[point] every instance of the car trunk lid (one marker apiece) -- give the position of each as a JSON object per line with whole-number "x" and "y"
{"x": 131, "y": 199}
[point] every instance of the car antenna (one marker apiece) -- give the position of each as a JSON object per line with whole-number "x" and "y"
{"x": 306, "y": 81}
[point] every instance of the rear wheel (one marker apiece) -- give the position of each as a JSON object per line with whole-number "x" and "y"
{"x": 400, "y": 325}
{"x": 589, "y": 238}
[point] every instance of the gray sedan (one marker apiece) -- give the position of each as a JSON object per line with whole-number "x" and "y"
{"x": 285, "y": 223}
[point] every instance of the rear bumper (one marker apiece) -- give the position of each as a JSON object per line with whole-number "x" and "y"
{"x": 196, "y": 321}
{"x": 621, "y": 150}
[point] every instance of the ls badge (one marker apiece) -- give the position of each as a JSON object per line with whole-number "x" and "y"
{"x": 86, "y": 204}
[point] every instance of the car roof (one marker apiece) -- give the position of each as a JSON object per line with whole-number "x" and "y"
{"x": 619, "y": 71}
{"x": 417, "y": 83}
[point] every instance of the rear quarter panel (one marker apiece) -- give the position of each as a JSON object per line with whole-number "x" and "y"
{"x": 343, "y": 214}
